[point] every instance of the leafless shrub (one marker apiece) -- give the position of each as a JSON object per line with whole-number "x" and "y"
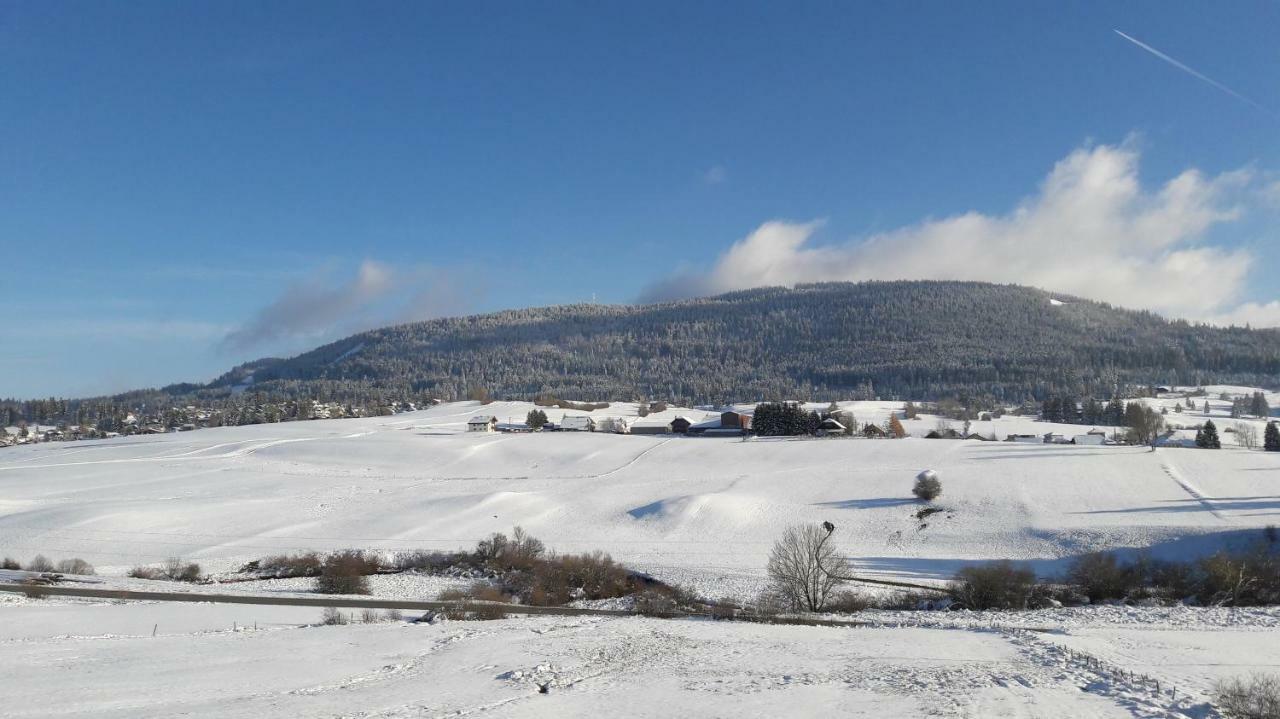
{"x": 464, "y": 606}
{"x": 75, "y": 566}
{"x": 40, "y": 563}
{"x": 393, "y": 615}
{"x": 1102, "y": 576}
{"x": 344, "y": 573}
{"x": 521, "y": 551}
{"x": 994, "y": 585}
{"x": 770, "y": 604}
{"x": 1257, "y": 697}
{"x": 34, "y": 590}
{"x": 849, "y": 602}
{"x": 421, "y": 559}
{"x": 180, "y": 571}
{"x": 804, "y": 567}
{"x": 305, "y": 564}
{"x": 174, "y": 569}
{"x": 370, "y": 616}
{"x": 561, "y": 579}
{"x": 1231, "y": 580}
{"x": 332, "y": 617}
{"x": 10, "y": 563}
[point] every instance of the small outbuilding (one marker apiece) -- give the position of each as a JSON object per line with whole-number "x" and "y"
{"x": 679, "y": 425}
{"x": 580, "y": 423}
{"x": 642, "y": 427}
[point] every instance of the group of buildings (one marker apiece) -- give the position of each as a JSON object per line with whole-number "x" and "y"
{"x": 730, "y": 423}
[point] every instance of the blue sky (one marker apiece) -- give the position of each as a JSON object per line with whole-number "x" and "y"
{"x": 184, "y": 186}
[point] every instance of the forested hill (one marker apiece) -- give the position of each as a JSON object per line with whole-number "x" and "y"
{"x": 893, "y": 339}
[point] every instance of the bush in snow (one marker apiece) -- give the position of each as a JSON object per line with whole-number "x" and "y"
{"x": 849, "y": 602}
{"x": 174, "y": 569}
{"x": 804, "y": 567}
{"x": 561, "y": 579}
{"x": 521, "y": 551}
{"x": 307, "y": 564}
{"x": 995, "y": 585}
{"x": 75, "y": 566}
{"x": 344, "y": 573}
{"x": 10, "y": 563}
{"x": 462, "y": 604}
{"x": 1101, "y": 576}
{"x": 332, "y": 617}
{"x": 1257, "y": 697}
{"x": 40, "y": 563}
{"x": 927, "y": 487}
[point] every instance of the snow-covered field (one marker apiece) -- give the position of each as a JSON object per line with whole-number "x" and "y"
{"x": 697, "y": 511}
{"x": 88, "y": 659}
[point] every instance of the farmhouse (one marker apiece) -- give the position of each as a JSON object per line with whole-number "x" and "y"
{"x": 580, "y": 423}
{"x": 1093, "y": 438}
{"x": 874, "y": 431}
{"x": 616, "y": 425}
{"x": 831, "y": 425}
{"x": 482, "y": 423}
{"x": 651, "y": 427}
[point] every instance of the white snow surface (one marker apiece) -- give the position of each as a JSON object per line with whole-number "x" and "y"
{"x": 697, "y": 511}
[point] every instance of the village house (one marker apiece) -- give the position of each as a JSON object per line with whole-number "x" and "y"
{"x": 482, "y": 423}
{"x": 681, "y": 425}
{"x": 651, "y": 427}
{"x": 1094, "y": 437}
{"x": 874, "y": 431}
{"x": 580, "y": 423}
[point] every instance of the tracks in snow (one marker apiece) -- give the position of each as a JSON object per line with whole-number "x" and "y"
{"x": 1192, "y": 490}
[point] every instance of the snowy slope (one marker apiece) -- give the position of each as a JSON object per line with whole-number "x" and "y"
{"x": 697, "y": 510}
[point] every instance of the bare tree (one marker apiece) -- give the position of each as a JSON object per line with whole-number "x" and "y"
{"x": 1257, "y": 697}
{"x": 1246, "y": 435}
{"x": 804, "y": 567}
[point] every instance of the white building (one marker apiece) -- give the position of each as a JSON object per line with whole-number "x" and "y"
{"x": 482, "y": 423}
{"x": 1092, "y": 439}
{"x": 577, "y": 424}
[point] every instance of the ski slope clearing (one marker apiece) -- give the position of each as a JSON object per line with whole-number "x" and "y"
{"x": 702, "y": 511}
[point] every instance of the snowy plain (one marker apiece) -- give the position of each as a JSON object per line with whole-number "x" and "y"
{"x": 697, "y": 511}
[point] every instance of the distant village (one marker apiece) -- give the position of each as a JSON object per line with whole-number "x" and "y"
{"x": 1115, "y": 422}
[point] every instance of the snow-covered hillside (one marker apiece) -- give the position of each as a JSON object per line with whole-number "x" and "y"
{"x": 699, "y": 511}
{"x": 702, "y": 511}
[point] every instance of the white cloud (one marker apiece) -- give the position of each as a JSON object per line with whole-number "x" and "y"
{"x": 1090, "y": 230}
{"x": 319, "y": 308}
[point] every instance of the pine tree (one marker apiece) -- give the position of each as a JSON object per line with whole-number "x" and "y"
{"x": 1271, "y": 438}
{"x": 1207, "y": 437}
{"x": 1258, "y": 406}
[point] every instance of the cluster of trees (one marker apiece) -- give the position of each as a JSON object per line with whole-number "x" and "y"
{"x": 87, "y": 419}
{"x": 1207, "y": 436}
{"x": 1255, "y": 405}
{"x": 1070, "y": 410}
{"x": 925, "y": 340}
{"x": 784, "y": 419}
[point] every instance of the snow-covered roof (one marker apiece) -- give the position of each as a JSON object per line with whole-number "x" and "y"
{"x": 482, "y": 419}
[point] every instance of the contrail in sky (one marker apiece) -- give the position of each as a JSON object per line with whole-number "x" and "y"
{"x": 1197, "y": 74}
